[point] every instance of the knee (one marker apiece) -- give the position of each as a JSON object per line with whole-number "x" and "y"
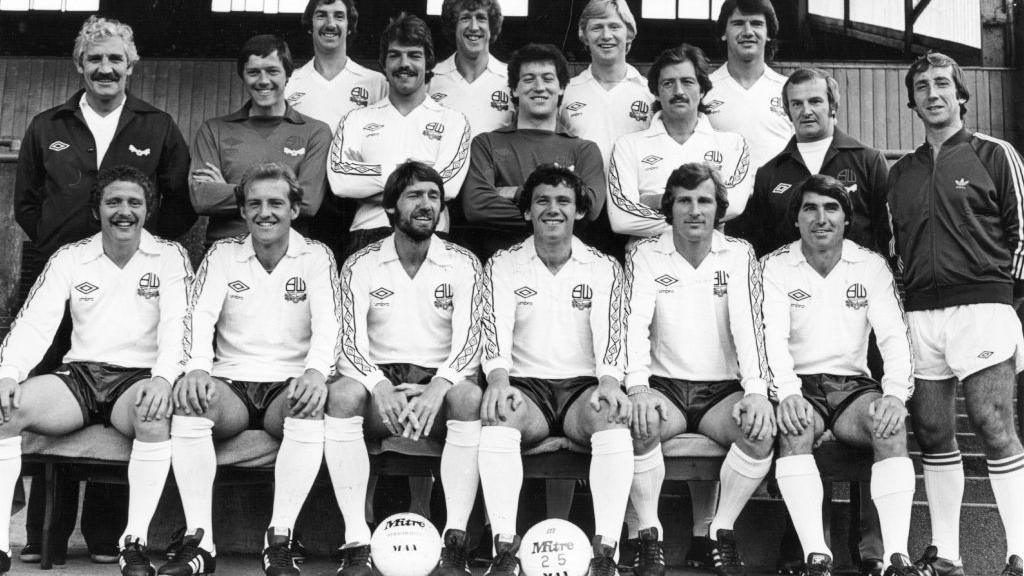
{"x": 346, "y": 397}
{"x": 792, "y": 444}
{"x": 151, "y": 430}
{"x": 645, "y": 445}
{"x": 891, "y": 447}
{"x": 462, "y": 402}
{"x": 998, "y": 435}
{"x": 934, "y": 435}
{"x": 758, "y": 448}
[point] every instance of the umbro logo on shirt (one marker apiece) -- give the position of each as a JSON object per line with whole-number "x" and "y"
{"x": 781, "y": 188}
{"x": 149, "y": 286}
{"x": 665, "y": 280}
{"x": 381, "y": 293}
{"x": 985, "y": 354}
{"x": 575, "y": 108}
{"x": 651, "y": 160}
{"x": 359, "y": 96}
{"x": 295, "y": 97}
{"x": 499, "y": 100}
{"x": 713, "y": 106}
{"x": 799, "y": 295}
{"x": 238, "y": 286}
{"x": 438, "y": 96}
{"x": 57, "y": 146}
{"x": 525, "y": 292}
{"x": 372, "y": 127}
{"x": 86, "y": 288}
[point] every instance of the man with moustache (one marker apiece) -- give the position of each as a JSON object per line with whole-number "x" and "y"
{"x": 962, "y": 259}
{"x": 553, "y": 360}
{"x": 811, "y": 98}
{"x": 265, "y": 129}
{"x": 127, "y": 291}
{"x": 501, "y": 161}
{"x": 472, "y": 80}
{"x": 823, "y": 296}
{"x": 62, "y": 151}
{"x": 406, "y": 126}
{"x": 713, "y": 381}
{"x": 680, "y": 133}
{"x": 410, "y": 336}
{"x": 746, "y": 96}
{"x": 261, "y": 339}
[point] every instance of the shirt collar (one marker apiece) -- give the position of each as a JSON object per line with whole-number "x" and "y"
{"x": 666, "y": 244}
{"x": 94, "y": 246}
{"x": 297, "y": 246}
{"x": 436, "y": 252}
{"x": 658, "y": 127}
{"x": 632, "y": 75}
{"x": 130, "y": 103}
{"x": 852, "y": 252}
{"x": 83, "y": 103}
{"x": 580, "y": 252}
{"x": 242, "y": 114}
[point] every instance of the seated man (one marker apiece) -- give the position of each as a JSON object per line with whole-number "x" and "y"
{"x": 552, "y": 355}
{"x": 823, "y": 296}
{"x": 696, "y": 360}
{"x": 410, "y": 335}
{"x": 127, "y": 292}
{"x": 261, "y": 339}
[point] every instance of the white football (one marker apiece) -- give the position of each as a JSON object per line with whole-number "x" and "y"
{"x": 405, "y": 544}
{"x": 555, "y": 548}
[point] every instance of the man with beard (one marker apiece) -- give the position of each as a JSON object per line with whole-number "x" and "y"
{"x": 265, "y": 129}
{"x": 500, "y": 161}
{"x": 373, "y": 141}
{"x": 127, "y": 291}
{"x": 553, "y": 360}
{"x": 472, "y": 80}
{"x": 410, "y": 336}
{"x": 98, "y": 127}
{"x": 261, "y": 339}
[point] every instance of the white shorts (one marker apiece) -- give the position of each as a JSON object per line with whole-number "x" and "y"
{"x": 959, "y": 341}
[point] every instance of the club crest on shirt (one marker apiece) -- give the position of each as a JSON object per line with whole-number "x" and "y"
{"x": 359, "y": 96}
{"x": 582, "y": 296}
{"x": 721, "y": 286}
{"x": 640, "y": 111}
{"x": 295, "y": 290}
{"x": 856, "y": 296}
{"x": 149, "y": 286}
{"x": 776, "y": 106}
{"x": 443, "y": 296}
{"x": 434, "y": 130}
{"x": 499, "y": 100}
{"x": 714, "y": 158}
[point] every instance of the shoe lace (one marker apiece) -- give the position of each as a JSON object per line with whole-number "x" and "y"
{"x": 815, "y": 569}
{"x": 454, "y": 556}
{"x": 504, "y": 563}
{"x": 728, "y": 555}
{"x": 602, "y": 566}
{"x": 133, "y": 555}
{"x": 278, "y": 556}
{"x": 355, "y": 556}
{"x": 651, "y": 553}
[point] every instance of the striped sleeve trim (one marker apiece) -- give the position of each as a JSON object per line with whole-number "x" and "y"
{"x": 472, "y": 342}
{"x": 335, "y": 294}
{"x": 453, "y": 167}
{"x": 1013, "y": 160}
{"x": 756, "y": 291}
{"x": 742, "y": 167}
{"x": 348, "y": 318}
{"x": 197, "y": 290}
{"x": 613, "y": 350}
{"x": 336, "y": 162}
{"x": 623, "y": 203}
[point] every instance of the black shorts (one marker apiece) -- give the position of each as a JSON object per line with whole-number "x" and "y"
{"x": 256, "y": 397}
{"x": 831, "y": 395}
{"x": 553, "y": 397}
{"x": 694, "y": 397}
{"x": 97, "y": 386}
{"x": 411, "y": 373}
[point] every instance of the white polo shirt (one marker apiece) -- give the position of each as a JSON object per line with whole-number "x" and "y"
{"x": 129, "y": 317}
{"x": 432, "y": 320}
{"x": 816, "y": 325}
{"x": 269, "y": 327}
{"x": 695, "y": 324}
{"x": 486, "y": 102}
{"x": 591, "y": 112}
{"x": 329, "y": 100}
{"x": 758, "y": 113}
{"x": 544, "y": 325}
{"x": 642, "y": 162}
{"x": 372, "y": 141}
{"x": 102, "y": 128}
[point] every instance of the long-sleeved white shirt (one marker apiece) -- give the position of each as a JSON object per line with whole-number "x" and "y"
{"x": 543, "y": 325}
{"x": 695, "y": 324}
{"x": 129, "y": 317}
{"x": 372, "y": 141}
{"x": 329, "y": 100}
{"x": 757, "y": 113}
{"x": 591, "y": 112}
{"x": 816, "y": 325}
{"x": 268, "y": 326}
{"x": 431, "y": 320}
{"x": 642, "y": 162}
{"x": 486, "y": 101}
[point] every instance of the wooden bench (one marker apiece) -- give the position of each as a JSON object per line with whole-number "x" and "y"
{"x": 101, "y": 454}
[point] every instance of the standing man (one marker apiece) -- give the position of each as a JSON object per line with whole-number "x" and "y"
{"x": 955, "y": 204}
{"x": 472, "y": 80}
{"x": 501, "y": 161}
{"x": 680, "y": 133}
{"x": 811, "y": 98}
{"x": 127, "y": 291}
{"x": 823, "y": 297}
{"x": 62, "y": 151}
{"x": 747, "y": 93}
{"x": 410, "y": 336}
{"x": 408, "y": 125}
{"x": 261, "y": 339}
{"x": 265, "y": 129}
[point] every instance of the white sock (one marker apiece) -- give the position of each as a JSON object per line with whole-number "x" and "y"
{"x": 147, "y": 474}
{"x": 800, "y": 484}
{"x": 460, "y": 474}
{"x": 10, "y": 471}
{"x": 298, "y": 462}
{"x": 741, "y": 474}
{"x": 611, "y": 475}
{"x": 648, "y": 478}
{"x": 944, "y": 485}
{"x": 892, "y": 490}
{"x": 704, "y": 500}
{"x": 195, "y": 468}
{"x": 501, "y": 476}
{"x": 1007, "y": 478}
{"x": 349, "y": 466}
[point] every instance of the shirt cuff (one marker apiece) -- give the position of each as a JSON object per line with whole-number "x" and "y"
{"x": 609, "y": 370}
{"x": 372, "y": 379}
{"x": 639, "y": 378}
{"x": 492, "y": 364}
{"x": 449, "y": 375}
{"x": 11, "y": 372}
{"x": 324, "y": 368}
{"x": 199, "y": 364}
{"x": 786, "y": 389}
{"x": 896, "y": 388}
{"x": 755, "y": 386}
{"x": 169, "y": 374}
